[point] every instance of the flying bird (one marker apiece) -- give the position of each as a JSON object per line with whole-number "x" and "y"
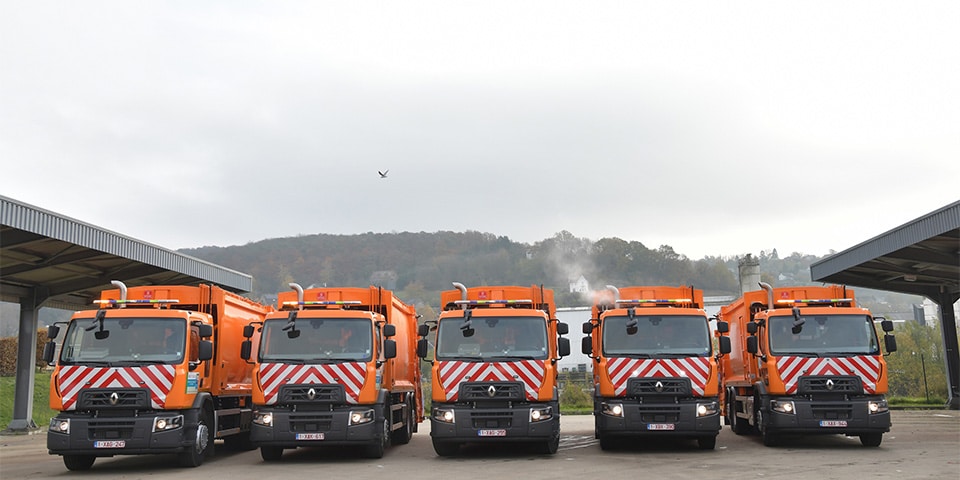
{"x": 383, "y": 174}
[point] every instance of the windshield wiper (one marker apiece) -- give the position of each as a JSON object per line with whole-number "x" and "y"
{"x": 462, "y": 358}
{"x": 295, "y": 361}
{"x": 509, "y": 358}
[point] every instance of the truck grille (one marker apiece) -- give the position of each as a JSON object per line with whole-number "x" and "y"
{"x": 138, "y": 398}
{"x": 480, "y": 391}
{"x": 677, "y": 387}
{"x": 847, "y": 384}
{"x": 110, "y": 430}
{"x": 311, "y": 423}
{"x": 492, "y": 420}
{"x": 311, "y": 394}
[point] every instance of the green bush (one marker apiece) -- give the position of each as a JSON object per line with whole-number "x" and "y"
{"x": 574, "y": 397}
{"x": 41, "y": 400}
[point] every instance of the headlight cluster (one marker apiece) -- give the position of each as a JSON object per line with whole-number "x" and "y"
{"x": 877, "y": 406}
{"x": 705, "y": 409}
{"x": 444, "y": 415}
{"x": 162, "y": 424}
{"x": 263, "y": 418}
{"x": 359, "y": 417}
{"x": 539, "y": 414}
{"x": 783, "y": 406}
{"x": 612, "y": 409}
{"x": 60, "y": 425}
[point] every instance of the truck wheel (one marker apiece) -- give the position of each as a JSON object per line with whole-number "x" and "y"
{"x": 871, "y": 439}
{"x": 202, "y": 443}
{"x": 769, "y": 438}
{"x": 737, "y": 424}
{"x": 78, "y": 462}
{"x": 445, "y": 449}
{"x": 707, "y": 442}
{"x": 379, "y": 445}
{"x": 403, "y": 435}
{"x": 271, "y": 454}
{"x": 550, "y": 447}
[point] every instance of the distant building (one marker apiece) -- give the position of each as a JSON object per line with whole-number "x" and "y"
{"x": 580, "y": 285}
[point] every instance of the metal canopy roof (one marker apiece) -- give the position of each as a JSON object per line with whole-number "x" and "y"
{"x": 920, "y": 257}
{"x": 68, "y": 262}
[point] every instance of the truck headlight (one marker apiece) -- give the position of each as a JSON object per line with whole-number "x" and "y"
{"x": 359, "y": 417}
{"x": 263, "y": 418}
{"x": 708, "y": 408}
{"x": 612, "y": 409}
{"x": 877, "y": 406}
{"x": 60, "y": 425}
{"x": 162, "y": 424}
{"x": 783, "y": 406}
{"x": 539, "y": 414}
{"x": 444, "y": 415}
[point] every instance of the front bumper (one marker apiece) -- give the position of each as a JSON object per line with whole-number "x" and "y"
{"x": 670, "y": 419}
{"x": 318, "y": 428}
{"x": 829, "y": 417}
{"x": 495, "y": 424}
{"x": 109, "y": 436}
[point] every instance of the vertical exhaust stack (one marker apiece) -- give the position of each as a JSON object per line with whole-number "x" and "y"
{"x": 769, "y": 289}
{"x": 123, "y": 291}
{"x": 296, "y": 287}
{"x": 463, "y": 292}
{"x": 749, "y": 270}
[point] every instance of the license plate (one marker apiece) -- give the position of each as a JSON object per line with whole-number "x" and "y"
{"x": 110, "y": 444}
{"x": 833, "y": 423}
{"x": 309, "y": 436}
{"x": 661, "y": 426}
{"x": 492, "y": 433}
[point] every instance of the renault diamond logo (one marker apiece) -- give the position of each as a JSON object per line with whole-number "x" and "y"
{"x": 492, "y": 391}
{"x": 659, "y": 386}
{"x": 311, "y": 394}
{"x": 829, "y": 384}
{"x": 114, "y": 398}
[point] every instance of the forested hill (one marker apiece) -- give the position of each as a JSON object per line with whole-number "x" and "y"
{"x": 419, "y": 265}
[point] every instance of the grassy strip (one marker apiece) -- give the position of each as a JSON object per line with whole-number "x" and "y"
{"x": 41, "y": 398}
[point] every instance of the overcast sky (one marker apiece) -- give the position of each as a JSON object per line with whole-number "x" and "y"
{"x": 718, "y": 128}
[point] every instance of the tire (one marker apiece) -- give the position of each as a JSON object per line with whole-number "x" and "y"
{"x": 271, "y": 454}
{"x": 737, "y": 424}
{"x": 871, "y": 439}
{"x": 78, "y": 462}
{"x": 707, "y": 442}
{"x": 549, "y": 447}
{"x": 769, "y": 438}
{"x": 403, "y": 435}
{"x": 202, "y": 444}
{"x": 445, "y": 449}
{"x": 379, "y": 445}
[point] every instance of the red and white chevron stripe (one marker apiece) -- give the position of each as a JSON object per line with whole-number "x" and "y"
{"x": 621, "y": 369}
{"x": 72, "y": 379}
{"x": 867, "y": 367}
{"x": 453, "y": 373}
{"x": 274, "y": 375}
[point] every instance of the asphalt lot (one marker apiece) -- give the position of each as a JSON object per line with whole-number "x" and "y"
{"x": 921, "y": 444}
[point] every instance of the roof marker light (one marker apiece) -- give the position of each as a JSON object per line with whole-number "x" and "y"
{"x": 142, "y": 302}
{"x": 820, "y": 301}
{"x": 490, "y": 302}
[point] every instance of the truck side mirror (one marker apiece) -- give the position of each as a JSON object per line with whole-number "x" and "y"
{"x": 389, "y": 330}
{"x": 587, "y": 328}
{"x": 886, "y": 325}
{"x": 752, "y": 345}
{"x": 586, "y": 345}
{"x": 890, "y": 343}
{"x": 49, "y": 349}
{"x": 53, "y": 331}
{"x": 562, "y": 328}
{"x": 245, "y": 347}
{"x": 205, "y": 330}
{"x": 205, "y": 351}
{"x": 752, "y": 328}
{"x": 723, "y": 327}
{"x": 422, "y": 348}
{"x": 423, "y": 330}
{"x": 390, "y": 348}
{"x": 563, "y": 347}
{"x": 248, "y": 331}
{"x": 724, "y": 343}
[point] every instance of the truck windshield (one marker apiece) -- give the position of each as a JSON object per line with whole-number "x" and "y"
{"x": 493, "y": 337}
{"x": 823, "y": 334}
{"x": 125, "y": 339}
{"x": 686, "y": 335}
{"x": 319, "y": 339}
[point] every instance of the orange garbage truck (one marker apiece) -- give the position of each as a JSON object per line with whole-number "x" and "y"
{"x": 805, "y": 360}
{"x": 156, "y": 369}
{"x": 494, "y": 373}
{"x": 655, "y": 371}
{"x": 336, "y": 366}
